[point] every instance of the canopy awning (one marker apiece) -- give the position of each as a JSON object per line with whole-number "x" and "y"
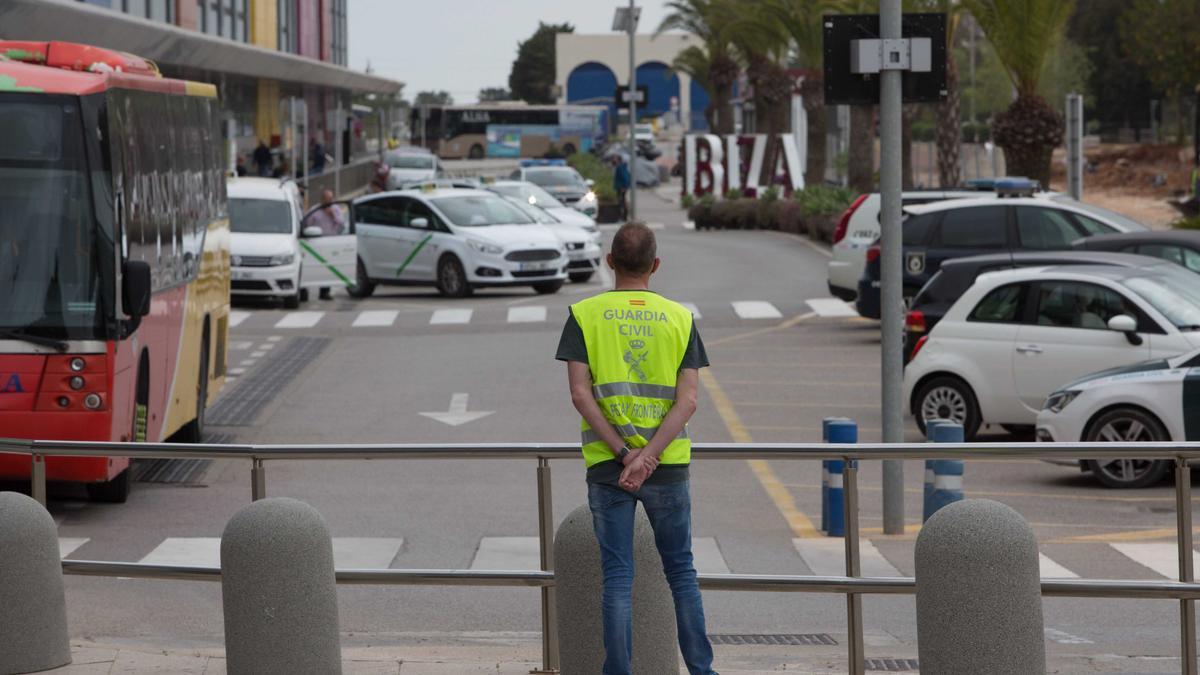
{"x": 170, "y": 45}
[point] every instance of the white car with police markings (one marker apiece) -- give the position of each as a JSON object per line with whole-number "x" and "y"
{"x": 267, "y": 255}
{"x": 1016, "y": 335}
{"x": 454, "y": 239}
{"x": 535, "y": 195}
{"x": 583, "y": 251}
{"x": 1149, "y": 401}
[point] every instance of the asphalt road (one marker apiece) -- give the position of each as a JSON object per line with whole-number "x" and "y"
{"x": 365, "y": 371}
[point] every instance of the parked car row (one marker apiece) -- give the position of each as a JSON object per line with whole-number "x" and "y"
{"x": 448, "y": 234}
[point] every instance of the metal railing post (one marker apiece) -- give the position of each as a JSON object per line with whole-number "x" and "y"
{"x": 550, "y": 662}
{"x": 37, "y": 478}
{"x": 854, "y": 619}
{"x": 258, "y": 479}
{"x": 1187, "y": 607}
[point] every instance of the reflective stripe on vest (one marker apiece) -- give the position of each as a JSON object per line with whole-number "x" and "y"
{"x": 635, "y": 342}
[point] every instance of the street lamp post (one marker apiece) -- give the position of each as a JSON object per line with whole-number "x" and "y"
{"x": 626, "y": 20}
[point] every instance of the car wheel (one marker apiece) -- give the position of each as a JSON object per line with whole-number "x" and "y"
{"x": 452, "y": 279}
{"x": 947, "y": 398}
{"x": 1127, "y": 425}
{"x": 580, "y": 277}
{"x": 363, "y": 286}
{"x": 547, "y": 287}
{"x": 476, "y": 152}
{"x": 293, "y": 301}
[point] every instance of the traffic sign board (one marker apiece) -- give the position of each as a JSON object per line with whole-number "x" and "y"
{"x": 640, "y": 95}
{"x": 843, "y": 87}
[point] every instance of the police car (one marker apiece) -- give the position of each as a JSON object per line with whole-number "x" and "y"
{"x": 560, "y": 180}
{"x": 1149, "y": 401}
{"x": 583, "y": 251}
{"x": 454, "y": 239}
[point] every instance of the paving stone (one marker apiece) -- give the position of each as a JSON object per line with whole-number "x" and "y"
{"x": 141, "y": 662}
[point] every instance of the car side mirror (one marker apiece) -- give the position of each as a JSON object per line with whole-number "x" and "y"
{"x": 419, "y": 223}
{"x": 590, "y": 183}
{"x": 1123, "y": 323}
{"x": 135, "y": 293}
{"x": 313, "y": 231}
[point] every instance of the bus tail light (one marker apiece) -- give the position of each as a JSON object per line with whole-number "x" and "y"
{"x": 74, "y": 384}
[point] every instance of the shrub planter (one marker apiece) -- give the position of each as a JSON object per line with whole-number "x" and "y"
{"x": 608, "y": 213}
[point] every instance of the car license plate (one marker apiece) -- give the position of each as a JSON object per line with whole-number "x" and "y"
{"x": 536, "y": 266}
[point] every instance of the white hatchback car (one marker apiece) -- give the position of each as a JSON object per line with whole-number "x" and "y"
{"x": 268, "y": 257}
{"x": 454, "y": 239}
{"x": 1017, "y": 335}
{"x": 535, "y": 195}
{"x": 1145, "y": 402}
{"x": 583, "y": 251}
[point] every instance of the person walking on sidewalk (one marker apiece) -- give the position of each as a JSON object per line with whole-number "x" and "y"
{"x": 633, "y": 360}
{"x": 622, "y": 182}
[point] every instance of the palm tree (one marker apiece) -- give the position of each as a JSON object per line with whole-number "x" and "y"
{"x": 801, "y": 19}
{"x": 1024, "y": 34}
{"x": 712, "y": 65}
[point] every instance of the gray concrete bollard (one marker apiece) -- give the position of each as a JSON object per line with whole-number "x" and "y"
{"x": 33, "y": 606}
{"x": 579, "y": 581}
{"x": 278, "y": 591}
{"x": 979, "y": 595}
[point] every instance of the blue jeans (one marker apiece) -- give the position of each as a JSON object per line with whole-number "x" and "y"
{"x": 669, "y": 509}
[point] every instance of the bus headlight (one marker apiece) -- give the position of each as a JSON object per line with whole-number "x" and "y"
{"x": 78, "y": 364}
{"x": 92, "y": 401}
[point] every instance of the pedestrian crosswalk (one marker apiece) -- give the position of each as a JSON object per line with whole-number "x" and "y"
{"x": 516, "y": 314}
{"x": 885, "y": 557}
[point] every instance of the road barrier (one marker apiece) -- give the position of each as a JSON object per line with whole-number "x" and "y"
{"x": 943, "y": 477}
{"x": 1184, "y": 591}
{"x": 979, "y": 607}
{"x": 833, "y": 506}
{"x": 278, "y": 591}
{"x": 825, "y": 472}
{"x": 33, "y": 608}
{"x": 579, "y": 582}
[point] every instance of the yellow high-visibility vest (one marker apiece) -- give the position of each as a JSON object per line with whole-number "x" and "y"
{"x": 635, "y": 342}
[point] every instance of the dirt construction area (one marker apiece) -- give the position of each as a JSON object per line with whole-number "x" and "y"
{"x": 1136, "y": 180}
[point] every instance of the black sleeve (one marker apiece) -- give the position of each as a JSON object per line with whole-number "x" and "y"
{"x": 695, "y": 356}
{"x": 571, "y": 346}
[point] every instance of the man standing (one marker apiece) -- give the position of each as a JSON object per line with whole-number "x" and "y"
{"x": 331, "y": 219}
{"x": 621, "y": 183}
{"x": 633, "y": 360}
{"x": 263, "y": 160}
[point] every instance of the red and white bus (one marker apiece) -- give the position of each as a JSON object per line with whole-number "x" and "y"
{"x": 114, "y": 256}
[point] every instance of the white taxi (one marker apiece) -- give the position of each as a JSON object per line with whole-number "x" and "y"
{"x": 454, "y": 239}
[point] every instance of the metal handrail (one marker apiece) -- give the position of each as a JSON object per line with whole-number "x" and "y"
{"x": 1185, "y": 590}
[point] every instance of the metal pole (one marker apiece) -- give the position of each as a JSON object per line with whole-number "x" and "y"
{"x": 337, "y": 150}
{"x": 304, "y": 151}
{"x": 1075, "y": 146}
{"x": 1187, "y": 607}
{"x": 632, "y": 117}
{"x": 854, "y": 618}
{"x": 295, "y": 133}
{"x": 258, "y": 479}
{"x": 891, "y": 294}
{"x": 37, "y": 478}
{"x": 550, "y": 662}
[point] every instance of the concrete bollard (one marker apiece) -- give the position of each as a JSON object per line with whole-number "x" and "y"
{"x": 979, "y": 596}
{"x": 839, "y": 431}
{"x": 947, "y": 473}
{"x": 579, "y": 584}
{"x": 278, "y": 591}
{"x": 33, "y": 607}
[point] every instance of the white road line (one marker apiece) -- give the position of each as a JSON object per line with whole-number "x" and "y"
{"x": 691, "y": 307}
{"x": 300, "y": 320}
{"x": 236, "y": 317}
{"x": 267, "y": 346}
{"x": 237, "y": 371}
{"x": 275, "y": 338}
{"x": 756, "y": 309}
{"x": 831, "y": 307}
{"x": 656, "y": 226}
{"x": 1162, "y": 558}
{"x": 248, "y": 362}
{"x": 257, "y": 355}
{"x": 239, "y": 345}
{"x": 521, "y": 553}
{"x": 375, "y": 317}
{"x": 451, "y": 316}
{"x": 827, "y": 557}
{"x": 1064, "y": 638}
{"x": 1048, "y": 569}
{"x": 527, "y": 314}
{"x": 348, "y": 552}
{"x": 689, "y": 225}
{"x": 67, "y": 545}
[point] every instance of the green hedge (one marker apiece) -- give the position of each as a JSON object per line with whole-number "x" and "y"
{"x": 593, "y": 168}
{"x": 1192, "y": 223}
{"x": 813, "y": 211}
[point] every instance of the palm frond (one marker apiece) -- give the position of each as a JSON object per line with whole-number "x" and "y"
{"x": 1024, "y": 34}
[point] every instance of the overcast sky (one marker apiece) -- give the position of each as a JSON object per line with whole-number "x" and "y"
{"x": 464, "y": 45}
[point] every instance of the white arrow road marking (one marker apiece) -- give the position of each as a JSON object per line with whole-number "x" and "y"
{"x": 457, "y": 414}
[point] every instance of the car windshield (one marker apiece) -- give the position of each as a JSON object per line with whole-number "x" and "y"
{"x": 50, "y": 280}
{"x": 529, "y": 193}
{"x": 260, "y": 216}
{"x": 480, "y": 211}
{"x": 1125, "y": 222}
{"x": 410, "y": 161}
{"x": 555, "y": 178}
{"x": 1173, "y": 292}
{"x": 535, "y": 213}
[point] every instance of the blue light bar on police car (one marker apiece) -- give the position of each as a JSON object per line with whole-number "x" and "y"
{"x": 543, "y": 162}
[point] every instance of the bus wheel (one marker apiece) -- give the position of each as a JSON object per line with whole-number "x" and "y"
{"x": 476, "y": 152}
{"x": 114, "y": 491}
